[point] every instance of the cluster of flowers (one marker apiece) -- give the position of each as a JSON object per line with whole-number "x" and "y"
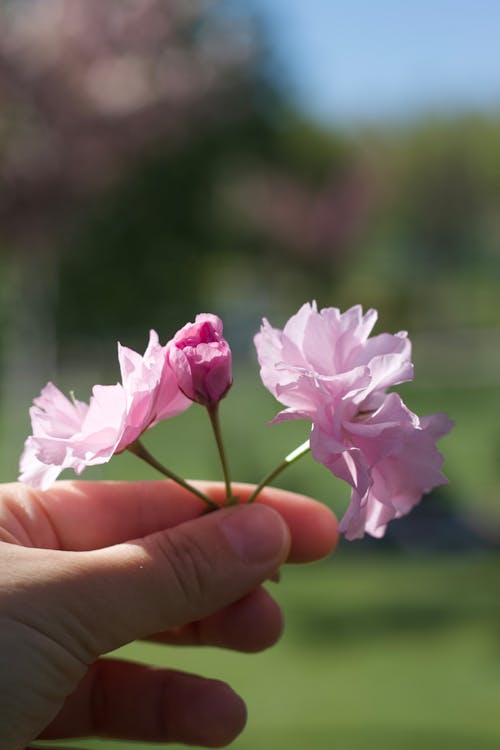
{"x": 194, "y": 366}
{"x": 323, "y": 367}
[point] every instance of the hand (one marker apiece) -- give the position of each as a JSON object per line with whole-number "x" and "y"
{"x": 86, "y": 567}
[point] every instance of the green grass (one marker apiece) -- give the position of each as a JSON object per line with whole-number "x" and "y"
{"x": 380, "y": 653}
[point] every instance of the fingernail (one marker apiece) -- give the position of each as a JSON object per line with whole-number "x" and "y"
{"x": 256, "y": 534}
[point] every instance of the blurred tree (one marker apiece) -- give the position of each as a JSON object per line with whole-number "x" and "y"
{"x": 86, "y": 88}
{"x": 447, "y": 192}
{"x": 170, "y": 98}
{"x": 430, "y": 259}
{"x": 233, "y": 196}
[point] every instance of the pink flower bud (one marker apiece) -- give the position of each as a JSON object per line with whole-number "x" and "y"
{"x": 200, "y": 357}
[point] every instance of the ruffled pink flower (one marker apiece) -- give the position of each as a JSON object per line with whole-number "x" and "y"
{"x": 150, "y": 389}
{"x": 201, "y": 359}
{"x": 72, "y": 434}
{"x": 324, "y": 367}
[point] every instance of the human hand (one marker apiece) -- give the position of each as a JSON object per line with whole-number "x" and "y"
{"x": 86, "y": 567}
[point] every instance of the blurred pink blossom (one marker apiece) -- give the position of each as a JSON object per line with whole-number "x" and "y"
{"x": 88, "y": 86}
{"x": 72, "y": 434}
{"x": 201, "y": 359}
{"x": 324, "y": 367}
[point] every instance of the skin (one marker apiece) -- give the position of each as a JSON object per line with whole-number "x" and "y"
{"x": 86, "y": 567}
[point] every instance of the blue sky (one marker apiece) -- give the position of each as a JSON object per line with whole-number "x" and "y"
{"x": 362, "y": 60}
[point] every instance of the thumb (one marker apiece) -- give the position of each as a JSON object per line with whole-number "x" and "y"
{"x": 172, "y": 577}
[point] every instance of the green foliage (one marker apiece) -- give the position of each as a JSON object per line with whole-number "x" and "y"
{"x": 142, "y": 253}
{"x": 170, "y": 240}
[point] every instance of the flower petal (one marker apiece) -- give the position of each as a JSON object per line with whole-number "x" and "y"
{"x": 323, "y": 366}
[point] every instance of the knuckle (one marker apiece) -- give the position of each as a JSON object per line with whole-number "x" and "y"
{"x": 188, "y": 570}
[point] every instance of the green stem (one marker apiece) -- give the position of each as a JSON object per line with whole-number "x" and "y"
{"x": 290, "y": 459}
{"x": 213, "y": 413}
{"x": 139, "y": 450}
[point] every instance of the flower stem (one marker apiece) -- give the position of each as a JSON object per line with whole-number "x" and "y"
{"x": 287, "y": 461}
{"x": 139, "y": 450}
{"x": 213, "y": 413}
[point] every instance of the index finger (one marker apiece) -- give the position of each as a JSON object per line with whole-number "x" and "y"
{"x": 80, "y": 515}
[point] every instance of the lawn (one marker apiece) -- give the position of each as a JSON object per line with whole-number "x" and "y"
{"x": 380, "y": 653}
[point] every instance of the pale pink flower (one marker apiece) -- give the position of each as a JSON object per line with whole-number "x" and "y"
{"x": 150, "y": 388}
{"x": 72, "y": 434}
{"x": 324, "y": 367}
{"x": 201, "y": 359}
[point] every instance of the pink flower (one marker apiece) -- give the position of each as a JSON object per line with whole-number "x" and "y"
{"x": 72, "y": 434}
{"x": 150, "y": 389}
{"x": 201, "y": 359}
{"x": 324, "y": 367}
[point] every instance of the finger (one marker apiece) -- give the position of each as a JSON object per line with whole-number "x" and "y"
{"x": 92, "y": 515}
{"x": 313, "y": 527}
{"x": 134, "y": 702}
{"x": 251, "y": 624}
{"x": 94, "y": 602}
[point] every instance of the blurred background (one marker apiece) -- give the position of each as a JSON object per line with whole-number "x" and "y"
{"x": 159, "y": 158}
